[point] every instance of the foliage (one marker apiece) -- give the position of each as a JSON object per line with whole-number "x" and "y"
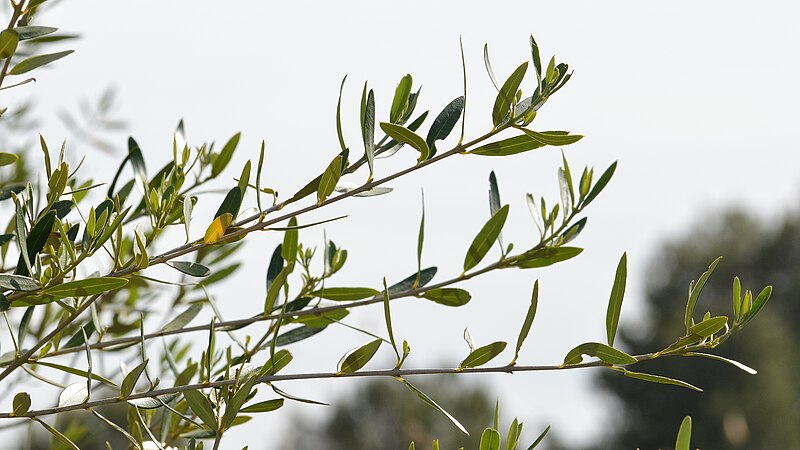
{"x": 180, "y": 396}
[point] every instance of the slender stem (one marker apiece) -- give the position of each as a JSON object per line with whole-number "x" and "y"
{"x": 15, "y": 13}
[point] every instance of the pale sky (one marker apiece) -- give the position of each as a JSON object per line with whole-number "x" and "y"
{"x": 695, "y": 100}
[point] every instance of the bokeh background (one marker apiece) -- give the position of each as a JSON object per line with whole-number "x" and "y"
{"x": 696, "y": 100}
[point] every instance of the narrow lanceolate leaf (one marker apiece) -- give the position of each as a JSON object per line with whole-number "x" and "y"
{"x": 360, "y": 357}
{"x": 601, "y": 183}
{"x": 443, "y": 124}
{"x": 732, "y": 362}
{"x": 540, "y": 438}
{"x": 403, "y": 135}
{"x": 278, "y": 361}
{"x": 153, "y": 402}
{"x": 400, "y": 100}
{"x": 32, "y": 32}
{"x": 183, "y": 318}
{"x": 339, "y": 116}
{"x": 58, "y": 435}
{"x": 761, "y": 300}
{"x": 225, "y": 155}
{"x": 526, "y": 325}
{"x": 507, "y": 147}
{"x": 448, "y": 296}
{"x": 130, "y": 380}
{"x": 36, "y": 240}
{"x": 217, "y": 229}
{"x": 387, "y": 315}
{"x": 485, "y": 238}
{"x": 420, "y": 279}
{"x": 18, "y": 283}
{"x": 343, "y": 294}
{"x": 494, "y": 202}
{"x": 37, "y": 61}
{"x": 21, "y": 403}
{"x": 615, "y": 302}
{"x": 507, "y": 94}
{"x": 483, "y": 355}
{"x": 554, "y": 139}
{"x": 490, "y": 439}
{"x": 608, "y": 355}
{"x": 694, "y": 295}
{"x": 290, "y": 241}
{"x": 661, "y": 380}
{"x": 231, "y": 203}
{"x": 202, "y": 407}
{"x": 546, "y": 256}
{"x": 190, "y": 268}
{"x": 709, "y": 326}
{"x": 9, "y": 39}
{"x": 330, "y": 177}
{"x": 82, "y": 288}
{"x": 434, "y": 405}
{"x": 78, "y": 372}
{"x": 684, "y": 438}
{"x": 368, "y": 131}
{"x": 265, "y": 406}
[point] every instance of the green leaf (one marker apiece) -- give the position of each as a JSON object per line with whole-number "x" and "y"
{"x": 694, "y": 293}
{"x": 202, "y": 407}
{"x": 344, "y": 294}
{"x": 421, "y": 235}
{"x": 483, "y": 355}
{"x": 488, "y": 64}
{"x": 217, "y": 229}
{"x": 443, "y": 124}
{"x": 57, "y": 434}
{"x": 152, "y": 402}
{"x": 490, "y": 440}
{"x": 18, "y": 283}
{"x": 448, "y": 296}
{"x": 339, "y": 117}
{"x": 265, "y": 406}
{"x": 661, "y": 380}
{"x": 21, "y": 403}
{"x": 37, "y": 61}
{"x": 278, "y": 361}
{"x": 494, "y": 202}
{"x": 537, "y": 63}
{"x": 360, "y": 357}
{"x": 683, "y": 440}
{"x": 387, "y": 316}
{"x": 400, "y": 101}
{"x": 405, "y": 136}
{"x": 329, "y": 179}
{"x": 615, "y": 302}
{"x": 514, "y": 433}
{"x": 485, "y": 238}
{"x": 74, "y": 371}
{"x": 422, "y": 278}
{"x": 526, "y": 325}
{"x": 8, "y": 159}
{"x": 554, "y": 139}
{"x": 737, "y": 299}
{"x": 296, "y": 335}
{"x": 190, "y": 268}
{"x": 608, "y": 355}
{"x": 36, "y": 240}
{"x": 507, "y": 147}
{"x": 732, "y": 362}
{"x": 275, "y": 288}
{"x": 322, "y": 319}
{"x": 761, "y": 300}
{"x": 709, "y": 326}
{"x": 601, "y": 183}
{"x": 368, "y": 130}
{"x": 130, "y": 380}
{"x": 184, "y": 318}
{"x": 290, "y": 241}
{"x": 9, "y": 39}
{"x": 433, "y": 404}
{"x": 540, "y": 438}
{"x": 544, "y": 257}
{"x": 225, "y": 155}
{"x": 32, "y": 32}
{"x": 82, "y": 288}
{"x": 508, "y": 92}
{"x": 231, "y": 203}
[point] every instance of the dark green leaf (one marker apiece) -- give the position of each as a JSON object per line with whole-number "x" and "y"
{"x": 406, "y": 136}
{"x": 202, "y": 407}
{"x": 546, "y": 256}
{"x": 494, "y": 202}
{"x": 510, "y": 146}
{"x": 601, "y": 183}
{"x": 694, "y": 294}
{"x": 18, "y": 283}
{"x": 231, "y": 203}
{"x": 275, "y": 288}
{"x": 485, "y": 238}
{"x": 275, "y": 265}
{"x": 21, "y": 403}
{"x": 483, "y": 355}
{"x": 537, "y": 63}
{"x": 81, "y": 288}
{"x": 296, "y": 335}
{"x": 190, "y": 268}
{"x": 37, "y": 61}
{"x": 615, "y": 302}
{"x": 683, "y": 440}
{"x": 448, "y": 296}
{"x": 78, "y": 338}
{"x": 343, "y": 294}
{"x": 265, "y": 406}
{"x": 130, "y": 380}
{"x": 425, "y": 277}
{"x": 184, "y": 318}
{"x": 540, "y": 438}
{"x": 444, "y": 123}
{"x": 360, "y": 357}
{"x": 322, "y": 320}
{"x": 36, "y": 240}
{"x": 526, "y": 325}
{"x": 330, "y": 177}
{"x": 661, "y": 380}
{"x": 508, "y": 92}
{"x": 608, "y": 355}
{"x": 225, "y": 155}
{"x": 368, "y": 130}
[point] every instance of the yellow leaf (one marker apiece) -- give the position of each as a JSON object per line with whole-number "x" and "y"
{"x": 217, "y": 228}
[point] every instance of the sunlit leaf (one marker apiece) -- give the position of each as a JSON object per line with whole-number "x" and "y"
{"x": 684, "y": 438}
{"x": 550, "y": 138}
{"x": 485, "y": 238}
{"x": 546, "y": 256}
{"x": 505, "y": 97}
{"x": 21, "y": 403}
{"x": 608, "y": 355}
{"x": 37, "y": 61}
{"x": 359, "y": 357}
{"x": 615, "y": 302}
{"x": 343, "y": 294}
{"x": 130, "y": 380}
{"x": 405, "y": 136}
{"x": 483, "y": 355}
{"x": 526, "y": 325}
{"x": 265, "y": 406}
{"x": 217, "y": 229}
{"x": 661, "y": 380}
{"x": 448, "y": 296}
{"x": 73, "y": 394}
{"x": 225, "y": 155}
{"x": 202, "y": 407}
{"x": 694, "y": 295}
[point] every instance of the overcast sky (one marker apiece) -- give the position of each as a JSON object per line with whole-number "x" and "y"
{"x": 696, "y": 100}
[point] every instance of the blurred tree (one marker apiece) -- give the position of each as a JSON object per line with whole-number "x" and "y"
{"x": 380, "y": 414}
{"x": 737, "y": 411}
